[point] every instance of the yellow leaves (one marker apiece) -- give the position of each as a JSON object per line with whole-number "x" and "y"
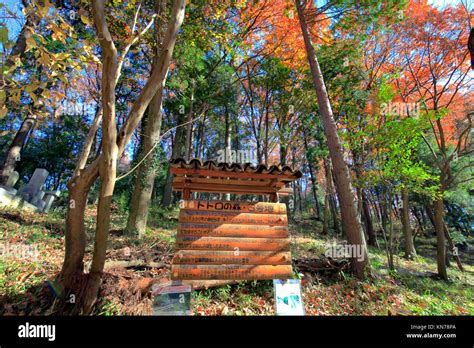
{"x": 3, "y": 108}
{"x": 44, "y": 8}
{"x": 3, "y": 35}
{"x": 15, "y": 95}
{"x": 30, "y": 43}
{"x": 43, "y": 11}
{"x": 85, "y": 20}
{"x": 62, "y": 56}
{"x": 240, "y": 4}
{"x": 31, "y": 87}
{"x": 59, "y": 32}
{"x": 43, "y": 58}
{"x": 46, "y": 94}
{"x": 63, "y": 79}
{"x": 58, "y": 35}
{"x": 3, "y": 111}
{"x": 34, "y": 97}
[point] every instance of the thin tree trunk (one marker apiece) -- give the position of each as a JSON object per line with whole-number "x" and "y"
{"x": 410, "y": 251}
{"x": 113, "y": 146}
{"x": 19, "y": 48}
{"x": 453, "y": 248}
{"x": 372, "y": 237}
{"x": 109, "y": 158}
{"x": 75, "y": 238}
{"x": 227, "y": 144}
{"x": 350, "y": 217}
{"x": 146, "y": 172}
{"x": 313, "y": 180}
{"x": 189, "y": 126}
{"x": 86, "y": 149}
{"x": 440, "y": 238}
{"x": 176, "y": 152}
{"x": 14, "y": 151}
{"x": 332, "y": 201}
{"x": 326, "y": 215}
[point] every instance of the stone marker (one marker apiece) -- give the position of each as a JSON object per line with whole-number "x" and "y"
{"x": 49, "y": 198}
{"x": 12, "y": 179}
{"x": 38, "y": 198}
{"x": 35, "y": 184}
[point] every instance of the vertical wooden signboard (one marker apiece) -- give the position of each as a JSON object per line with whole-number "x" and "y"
{"x": 219, "y": 240}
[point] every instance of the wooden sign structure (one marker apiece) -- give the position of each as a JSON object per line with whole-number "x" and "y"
{"x": 231, "y": 240}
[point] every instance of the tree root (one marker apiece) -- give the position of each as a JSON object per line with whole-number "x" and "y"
{"x": 134, "y": 264}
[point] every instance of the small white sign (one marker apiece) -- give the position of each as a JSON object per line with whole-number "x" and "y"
{"x": 172, "y": 300}
{"x": 288, "y": 297}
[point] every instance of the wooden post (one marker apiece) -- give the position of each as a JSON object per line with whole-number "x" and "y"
{"x": 274, "y": 197}
{"x": 186, "y": 194}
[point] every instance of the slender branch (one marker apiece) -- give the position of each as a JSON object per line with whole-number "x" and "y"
{"x": 156, "y": 144}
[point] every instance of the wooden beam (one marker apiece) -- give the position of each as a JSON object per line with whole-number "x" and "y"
{"x": 236, "y": 231}
{"x": 231, "y": 182}
{"x": 229, "y": 217}
{"x": 207, "y": 257}
{"x": 236, "y": 272}
{"x": 237, "y": 189}
{"x": 243, "y": 207}
{"x": 224, "y": 174}
{"x": 234, "y": 244}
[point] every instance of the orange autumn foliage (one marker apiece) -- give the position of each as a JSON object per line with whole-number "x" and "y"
{"x": 277, "y": 31}
{"x": 431, "y": 49}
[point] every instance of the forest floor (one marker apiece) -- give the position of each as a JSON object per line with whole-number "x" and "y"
{"x": 26, "y": 289}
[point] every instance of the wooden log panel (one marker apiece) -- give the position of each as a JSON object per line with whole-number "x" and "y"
{"x": 228, "y": 240}
{"x": 228, "y": 182}
{"x": 237, "y": 189}
{"x": 238, "y": 175}
{"x": 232, "y": 218}
{"x": 234, "y": 272}
{"x": 230, "y": 230}
{"x": 208, "y": 257}
{"x": 242, "y": 207}
{"x": 224, "y": 243}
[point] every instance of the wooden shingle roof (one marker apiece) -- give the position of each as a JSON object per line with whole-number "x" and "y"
{"x": 218, "y": 177}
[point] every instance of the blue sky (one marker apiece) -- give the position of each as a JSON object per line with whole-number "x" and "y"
{"x": 14, "y": 26}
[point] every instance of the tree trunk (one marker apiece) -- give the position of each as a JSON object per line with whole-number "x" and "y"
{"x": 350, "y": 218}
{"x": 330, "y": 193}
{"x": 175, "y": 153}
{"x": 75, "y": 238}
{"x": 440, "y": 238}
{"x": 453, "y": 248}
{"x": 227, "y": 144}
{"x": 410, "y": 251}
{"x": 326, "y": 215}
{"x": 146, "y": 172}
{"x": 189, "y": 126}
{"x": 14, "y": 151}
{"x": 109, "y": 157}
{"x": 91, "y": 135}
{"x": 113, "y": 146}
{"x": 372, "y": 237}
{"x": 18, "y": 51}
{"x": 19, "y": 48}
{"x": 313, "y": 179}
